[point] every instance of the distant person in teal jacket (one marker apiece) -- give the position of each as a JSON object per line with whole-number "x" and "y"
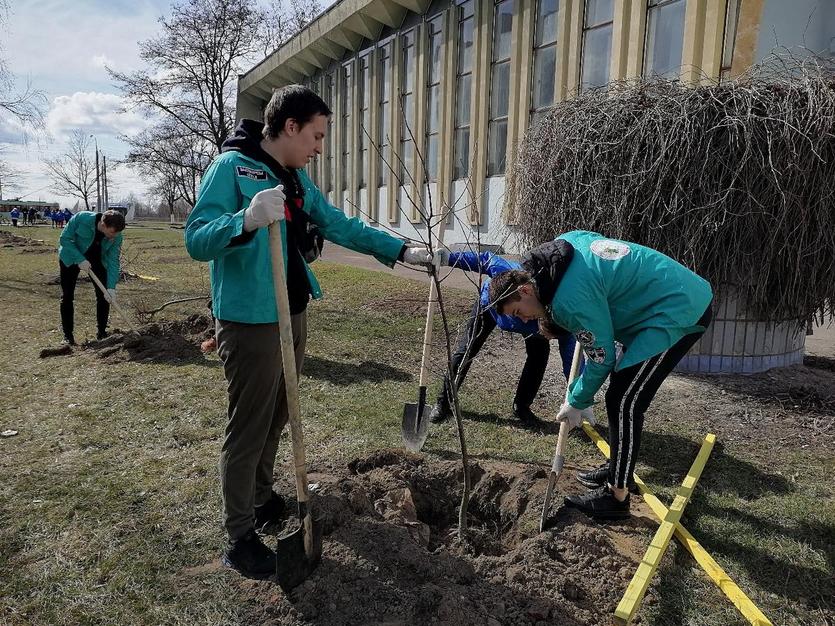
{"x": 91, "y": 241}
{"x": 605, "y": 290}
{"x": 239, "y": 198}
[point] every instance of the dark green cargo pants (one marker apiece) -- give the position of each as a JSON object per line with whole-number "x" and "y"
{"x": 251, "y": 355}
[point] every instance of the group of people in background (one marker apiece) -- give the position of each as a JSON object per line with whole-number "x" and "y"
{"x": 28, "y": 217}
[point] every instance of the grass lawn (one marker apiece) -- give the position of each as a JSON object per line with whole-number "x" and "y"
{"x": 109, "y": 494}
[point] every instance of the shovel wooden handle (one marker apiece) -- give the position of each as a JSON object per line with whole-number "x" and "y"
{"x": 119, "y": 309}
{"x": 291, "y": 380}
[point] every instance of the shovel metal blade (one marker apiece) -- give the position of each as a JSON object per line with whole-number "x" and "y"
{"x": 293, "y": 563}
{"x": 415, "y": 425}
{"x": 546, "y": 506}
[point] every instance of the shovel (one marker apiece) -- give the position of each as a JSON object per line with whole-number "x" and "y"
{"x": 119, "y": 309}
{"x": 559, "y": 459}
{"x": 297, "y": 552}
{"x": 415, "y": 425}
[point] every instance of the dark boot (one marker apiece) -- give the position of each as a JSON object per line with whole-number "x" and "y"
{"x": 250, "y": 557}
{"x": 525, "y": 415}
{"x": 600, "y": 504}
{"x": 270, "y": 513}
{"x": 599, "y": 476}
{"x": 440, "y": 412}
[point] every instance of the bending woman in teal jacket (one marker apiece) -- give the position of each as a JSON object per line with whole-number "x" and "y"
{"x": 257, "y": 180}
{"x": 605, "y": 290}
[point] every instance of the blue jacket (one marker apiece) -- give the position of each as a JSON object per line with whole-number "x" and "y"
{"x": 15, "y": 214}
{"x": 491, "y": 265}
{"x": 620, "y": 291}
{"x": 77, "y": 237}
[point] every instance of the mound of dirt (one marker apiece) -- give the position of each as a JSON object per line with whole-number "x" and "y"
{"x": 10, "y": 240}
{"x": 161, "y": 342}
{"x": 392, "y": 554}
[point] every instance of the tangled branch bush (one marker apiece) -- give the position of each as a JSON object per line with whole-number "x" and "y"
{"x": 736, "y": 181}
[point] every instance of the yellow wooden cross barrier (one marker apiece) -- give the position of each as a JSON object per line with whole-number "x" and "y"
{"x": 714, "y": 571}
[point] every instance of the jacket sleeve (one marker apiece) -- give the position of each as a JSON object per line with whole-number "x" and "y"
{"x": 217, "y": 216}
{"x": 350, "y": 232}
{"x": 111, "y": 262}
{"x": 598, "y": 341}
{"x": 68, "y": 245}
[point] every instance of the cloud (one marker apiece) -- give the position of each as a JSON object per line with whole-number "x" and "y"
{"x": 101, "y": 61}
{"x": 92, "y": 112}
{"x": 12, "y": 132}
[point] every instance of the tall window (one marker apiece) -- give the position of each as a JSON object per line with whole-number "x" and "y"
{"x": 433, "y": 98}
{"x": 544, "y": 59}
{"x": 328, "y": 162}
{"x": 731, "y": 25}
{"x": 364, "y": 93}
{"x": 499, "y": 88}
{"x": 347, "y": 85}
{"x": 597, "y": 43}
{"x": 384, "y": 118}
{"x": 407, "y": 100}
{"x": 463, "y": 90}
{"x": 665, "y": 38}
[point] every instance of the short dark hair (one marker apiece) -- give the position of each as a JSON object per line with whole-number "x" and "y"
{"x": 114, "y": 219}
{"x": 293, "y": 102}
{"x": 504, "y": 288}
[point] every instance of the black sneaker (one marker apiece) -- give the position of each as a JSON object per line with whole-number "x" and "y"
{"x": 600, "y": 504}
{"x": 250, "y": 557}
{"x": 599, "y": 476}
{"x": 102, "y": 334}
{"x": 439, "y": 413}
{"x": 271, "y": 512}
{"x": 70, "y": 340}
{"x": 525, "y": 415}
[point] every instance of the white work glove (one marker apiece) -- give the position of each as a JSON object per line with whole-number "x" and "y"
{"x": 110, "y": 295}
{"x": 419, "y": 255}
{"x": 441, "y": 257}
{"x": 574, "y": 417}
{"x": 84, "y": 265}
{"x": 267, "y": 206}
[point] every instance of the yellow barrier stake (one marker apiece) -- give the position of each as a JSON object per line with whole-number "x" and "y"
{"x": 631, "y": 600}
{"x": 714, "y": 571}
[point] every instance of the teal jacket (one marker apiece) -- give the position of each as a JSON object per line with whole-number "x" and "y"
{"x": 620, "y": 291}
{"x": 77, "y": 236}
{"x": 241, "y": 275}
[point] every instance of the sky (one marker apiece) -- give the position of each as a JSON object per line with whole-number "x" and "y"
{"x": 62, "y": 48}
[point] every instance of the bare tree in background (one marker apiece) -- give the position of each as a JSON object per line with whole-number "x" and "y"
{"x": 25, "y": 105}
{"x": 10, "y": 178}
{"x": 285, "y": 18}
{"x": 74, "y": 172}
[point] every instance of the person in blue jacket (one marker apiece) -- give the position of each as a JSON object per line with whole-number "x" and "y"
{"x": 257, "y": 180}
{"x": 605, "y": 290}
{"x": 14, "y": 215}
{"x": 91, "y": 241}
{"x": 481, "y": 323}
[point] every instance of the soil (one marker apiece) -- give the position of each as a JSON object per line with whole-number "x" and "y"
{"x": 392, "y": 555}
{"x": 26, "y": 245}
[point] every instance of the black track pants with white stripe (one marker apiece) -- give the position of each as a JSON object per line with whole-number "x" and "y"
{"x": 630, "y": 393}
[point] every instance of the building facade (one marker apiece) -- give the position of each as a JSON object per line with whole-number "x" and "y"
{"x": 431, "y": 98}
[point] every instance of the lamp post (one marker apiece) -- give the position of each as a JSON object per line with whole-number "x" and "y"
{"x": 98, "y": 185}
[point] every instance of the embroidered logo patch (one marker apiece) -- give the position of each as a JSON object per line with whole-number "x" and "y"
{"x": 598, "y": 355}
{"x": 585, "y": 337}
{"x": 609, "y": 250}
{"x": 248, "y": 172}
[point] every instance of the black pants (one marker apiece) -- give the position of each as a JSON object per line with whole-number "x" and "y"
{"x": 69, "y": 277}
{"x": 631, "y": 390}
{"x": 479, "y": 327}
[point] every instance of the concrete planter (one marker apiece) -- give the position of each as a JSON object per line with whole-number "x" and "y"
{"x": 738, "y": 343}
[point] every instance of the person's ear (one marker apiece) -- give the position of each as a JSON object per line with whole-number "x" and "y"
{"x": 291, "y": 127}
{"x": 526, "y": 289}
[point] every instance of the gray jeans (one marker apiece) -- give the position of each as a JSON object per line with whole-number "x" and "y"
{"x": 252, "y": 364}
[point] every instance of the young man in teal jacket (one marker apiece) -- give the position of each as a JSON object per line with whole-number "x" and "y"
{"x": 91, "y": 241}
{"x": 605, "y": 290}
{"x": 259, "y": 179}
